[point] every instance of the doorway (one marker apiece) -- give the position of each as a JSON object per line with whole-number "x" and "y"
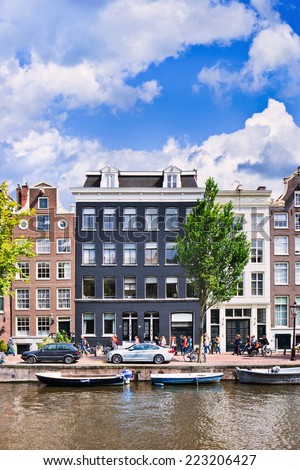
{"x": 240, "y": 326}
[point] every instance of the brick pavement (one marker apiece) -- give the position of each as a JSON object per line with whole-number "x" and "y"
{"x": 215, "y": 360}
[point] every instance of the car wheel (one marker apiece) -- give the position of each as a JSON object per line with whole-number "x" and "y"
{"x": 116, "y": 359}
{"x": 31, "y": 359}
{"x": 158, "y": 359}
{"x": 68, "y": 360}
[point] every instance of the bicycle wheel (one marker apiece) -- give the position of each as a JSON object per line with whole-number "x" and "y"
{"x": 268, "y": 352}
{"x": 193, "y": 356}
{"x": 186, "y": 357}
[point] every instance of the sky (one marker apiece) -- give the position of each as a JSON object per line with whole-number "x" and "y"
{"x": 212, "y": 85}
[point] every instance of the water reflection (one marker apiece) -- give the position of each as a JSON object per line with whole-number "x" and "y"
{"x": 141, "y": 416}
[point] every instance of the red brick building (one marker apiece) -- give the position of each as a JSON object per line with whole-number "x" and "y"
{"x": 44, "y": 305}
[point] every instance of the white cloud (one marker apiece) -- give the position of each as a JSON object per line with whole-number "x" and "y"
{"x": 261, "y": 153}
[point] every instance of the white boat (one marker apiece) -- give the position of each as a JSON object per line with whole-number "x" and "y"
{"x": 271, "y": 376}
{"x": 186, "y": 378}
{"x": 60, "y": 380}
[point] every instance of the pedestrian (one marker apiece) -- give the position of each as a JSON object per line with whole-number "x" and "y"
{"x": 184, "y": 344}
{"x": 173, "y": 344}
{"x": 217, "y": 344}
{"x": 136, "y": 340}
{"x": 84, "y": 345}
{"x": 156, "y": 340}
{"x": 206, "y": 343}
{"x": 114, "y": 342}
{"x": 10, "y": 347}
{"x": 189, "y": 343}
{"x": 163, "y": 341}
{"x": 247, "y": 344}
{"x": 237, "y": 344}
{"x": 181, "y": 340}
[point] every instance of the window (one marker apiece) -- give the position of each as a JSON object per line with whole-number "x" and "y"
{"x": 171, "y": 287}
{"x": 43, "y": 326}
{"x": 151, "y": 287}
{"x": 63, "y": 245}
{"x": 297, "y": 221}
{"x": 170, "y": 253}
{"x": 171, "y": 219}
{"x": 240, "y": 286}
{"x": 257, "y": 251}
{"x": 88, "y": 253}
{"x": 297, "y": 198}
{"x": 24, "y": 270}
{"x": 23, "y": 326}
{"x": 63, "y": 270}
{"x": 63, "y": 298}
{"x": 171, "y": 181}
{"x": 88, "y": 323}
{"x": 151, "y": 253}
{"x": 281, "y": 246}
{"x": 88, "y": 218}
{"x": 281, "y": 273}
{"x": 151, "y": 218}
{"x": 43, "y": 246}
{"x": 261, "y": 315}
{"x": 109, "y": 323}
{"x": 257, "y": 222}
{"x": 238, "y": 312}
{"x": 151, "y": 325}
{"x": 109, "y": 287}
{"x": 88, "y": 287}
{"x": 22, "y": 299}
{"x": 109, "y": 218}
{"x": 281, "y": 220}
{"x": 129, "y": 253}
{"x": 281, "y": 311}
{"x": 190, "y": 289}
{"x": 23, "y": 225}
{"x": 188, "y": 211}
{"x": 129, "y": 287}
{"x": 110, "y": 181}
{"x": 109, "y": 253}
{"x": 43, "y": 223}
{"x": 297, "y": 273}
{"x": 215, "y": 316}
{"x": 129, "y": 218}
{"x": 297, "y": 245}
{"x": 1, "y": 303}
{"x": 257, "y": 283}
{"x": 62, "y": 224}
{"x": 42, "y": 203}
{"x": 43, "y": 270}
{"x": 42, "y": 299}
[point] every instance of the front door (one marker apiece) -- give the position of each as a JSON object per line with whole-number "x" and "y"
{"x": 233, "y": 327}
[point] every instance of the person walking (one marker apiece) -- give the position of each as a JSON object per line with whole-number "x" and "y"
{"x": 237, "y": 344}
{"x": 84, "y": 345}
{"x": 206, "y": 343}
{"x": 217, "y": 344}
{"x": 10, "y": 347}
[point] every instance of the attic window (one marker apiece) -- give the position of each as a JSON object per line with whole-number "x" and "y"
{"x": 110, "y": 180}
{"x": 43, "y": 203}
{"x": 172, "y": 181}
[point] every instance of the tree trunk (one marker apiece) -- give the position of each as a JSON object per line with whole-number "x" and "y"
{"x": 201, "y": 334}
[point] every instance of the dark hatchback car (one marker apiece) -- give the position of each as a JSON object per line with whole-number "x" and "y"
{"x": 53, "y": 352}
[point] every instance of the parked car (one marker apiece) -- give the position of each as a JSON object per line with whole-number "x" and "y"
{"x": 53, "y": 352}
{"x": 143, "y": 352}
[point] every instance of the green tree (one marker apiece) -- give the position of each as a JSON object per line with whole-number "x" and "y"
{"x": 11, "y": 250}
{"x": 213, "y": 250}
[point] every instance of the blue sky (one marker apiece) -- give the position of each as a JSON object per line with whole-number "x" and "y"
{"x": 142, "y": 84}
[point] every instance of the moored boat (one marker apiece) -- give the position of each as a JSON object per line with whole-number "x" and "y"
{"x": 195, "y": 378}
{"x": 271, "y": 376}
{"x": 57, "y": 379}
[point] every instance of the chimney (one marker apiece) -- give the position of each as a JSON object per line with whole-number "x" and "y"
{"x": 261, "y": 188}
{"x": 24, "y": 194}
{"x": 18, "y": 195}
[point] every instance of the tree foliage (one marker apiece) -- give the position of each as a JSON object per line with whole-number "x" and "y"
{"x": 11, "y": 250}
{"x": 213, "y": 250}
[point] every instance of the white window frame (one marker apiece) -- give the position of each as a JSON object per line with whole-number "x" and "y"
{"x": 63, "y": 245}
{"x": 63, "y": 267}
{"x": 87, "y": 249}
{"x": 43, "y": 299}
{"x": 151, "y": 218}
{"x": 281, "y": 245}
{"x": 109, "y": 317}
{"x": 281, "y": 274}
{"x": 129, "y": 254}
{"x": 152, "y": 247}
{"x": 63, "y": 296}
{"x": 42, "y": 267}
{"x": 23, "y": 300}
{"x": 43, "y": 324}
{"x": 281, "y": 311}
{"x": 42, "y": 246}
{"x": 109, "y": 253}
{"x": 89, "y": 218}
{"x": 43, "y": 198}
{"x": 23, "y": 326}
{"x": 282, "y": 220}
{"x": 129, "y": 218}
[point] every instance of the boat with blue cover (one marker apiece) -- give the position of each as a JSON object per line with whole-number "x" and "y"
{"x": 186, "y": 378}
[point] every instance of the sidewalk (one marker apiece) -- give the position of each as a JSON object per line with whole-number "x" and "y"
{"x": 213, "y": 360}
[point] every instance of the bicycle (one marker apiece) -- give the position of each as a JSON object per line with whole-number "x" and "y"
{"x": 192, "y": 356}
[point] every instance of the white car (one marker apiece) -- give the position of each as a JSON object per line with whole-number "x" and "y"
{"x": 143, "y": 352}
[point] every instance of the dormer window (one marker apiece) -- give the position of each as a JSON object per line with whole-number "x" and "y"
{"x": 43, "y": 203}
{"x": 297, "y": 198}
{"x": 172, "y": 177}
{"x": 172, "y": 181}
{"x": 109, "y": 177}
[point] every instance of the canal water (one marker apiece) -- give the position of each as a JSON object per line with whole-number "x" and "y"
{"x": 141, "y": 416}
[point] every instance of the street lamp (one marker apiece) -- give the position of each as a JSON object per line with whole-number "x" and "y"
{"x": 294, "y": 309}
